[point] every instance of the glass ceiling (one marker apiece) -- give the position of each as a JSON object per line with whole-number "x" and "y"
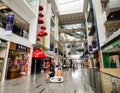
{"x": 69, "y": 6}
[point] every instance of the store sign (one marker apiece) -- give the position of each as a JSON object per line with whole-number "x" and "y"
{"x": 9, "y": 24}
{"x": 21, "y": 48}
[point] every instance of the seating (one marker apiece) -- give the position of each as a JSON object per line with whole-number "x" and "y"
{"x": 56, "y": 79}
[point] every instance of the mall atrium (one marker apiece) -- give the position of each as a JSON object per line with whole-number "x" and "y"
{"x": 59, "y": 46}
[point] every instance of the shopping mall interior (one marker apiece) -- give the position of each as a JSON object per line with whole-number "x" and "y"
{"x": 60, "y": 46}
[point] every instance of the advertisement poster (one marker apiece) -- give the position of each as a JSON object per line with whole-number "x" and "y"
{"x": 9, "y": 24}
{"x": 115, "y": 59}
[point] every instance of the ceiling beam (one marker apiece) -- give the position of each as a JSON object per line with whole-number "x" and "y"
{"x": 73, "y": 41}
{"x": 72, "y": 30}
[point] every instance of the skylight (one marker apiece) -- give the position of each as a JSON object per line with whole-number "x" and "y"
{"x": 70, "y": 6}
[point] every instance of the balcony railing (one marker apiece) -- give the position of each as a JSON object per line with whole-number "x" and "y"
{"x": 102, "y": 82}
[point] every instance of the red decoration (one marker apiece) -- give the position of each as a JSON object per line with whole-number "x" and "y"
{"x": 43, "y": 27}
{"x": 41, "y": 8}
{"x": 38, "y": 39}
{"x": 40, "y": 34}
{"x": 38, "y": 54}
{"x": 44, "y": 33}
{"x": 41, "y": 15}
{"x": 40, "y": 21}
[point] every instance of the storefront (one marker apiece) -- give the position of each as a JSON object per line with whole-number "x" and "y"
{"x": 111, "y": 55}
{"x": 3, "y": 48}
{"x": 18, "y": 60}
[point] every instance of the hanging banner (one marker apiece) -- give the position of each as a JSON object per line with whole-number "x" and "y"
{"x": 9, "y": 24}
{"x": 73, "y": 49}
{"x": 94, "y": 43}
{"x": 90, "y": 48}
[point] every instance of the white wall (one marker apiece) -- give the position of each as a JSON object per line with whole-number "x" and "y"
{"x": 114, "y": 3}
{"x": 48, "y": 20}
{"x": 2, "y": 52}
{"x": 14, "y": 38}
{"x": 100, "y": 17}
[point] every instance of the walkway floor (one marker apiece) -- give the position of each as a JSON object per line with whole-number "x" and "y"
{"x": 74, "y": 82}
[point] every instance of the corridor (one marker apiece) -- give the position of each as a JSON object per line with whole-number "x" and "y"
{"x": 74, "y": 82}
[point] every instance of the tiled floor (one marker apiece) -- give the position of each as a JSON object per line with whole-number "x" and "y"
{"x": 74, "y": 82}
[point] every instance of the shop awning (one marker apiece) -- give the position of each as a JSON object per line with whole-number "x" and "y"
{"x": 38, "y": 54}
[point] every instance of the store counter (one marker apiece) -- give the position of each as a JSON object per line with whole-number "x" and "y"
{"x": 13, "y": 73}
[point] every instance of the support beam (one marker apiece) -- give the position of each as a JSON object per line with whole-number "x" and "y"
{"x": 72, "y": 30}
{"x": 73, "y": 41}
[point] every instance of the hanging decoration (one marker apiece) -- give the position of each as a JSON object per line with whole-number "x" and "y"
{"x": 94, "y": 43}
{"x": 38, "y": 39}
{"x": 9, "y": 24}
{"x": 44, "y": 32}
{"x": 90, "y": 48}
{"x": 40, "y": 20}
{"x": 41, "y": 15}
{"x": 40, "y": 34}
{"x": 43, "y": 27}
{"x": 41, "y": 8}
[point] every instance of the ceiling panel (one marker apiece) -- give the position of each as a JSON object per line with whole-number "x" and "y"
{"x": 72, "y": 18}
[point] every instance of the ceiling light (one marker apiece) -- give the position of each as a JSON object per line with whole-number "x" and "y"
{"x": 111, "y": 16}
{"x": 6, "y": 14}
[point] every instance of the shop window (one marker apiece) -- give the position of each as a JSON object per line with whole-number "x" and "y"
{"x": 18, "y": 59}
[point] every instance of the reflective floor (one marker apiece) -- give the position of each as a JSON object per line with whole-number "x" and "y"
{"x": 74, "y": 82}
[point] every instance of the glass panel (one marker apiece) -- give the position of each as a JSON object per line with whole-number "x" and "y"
{"x": 32, "y": 3}
{"x": 70, "y": 6}
{"x": 52, "y": 26}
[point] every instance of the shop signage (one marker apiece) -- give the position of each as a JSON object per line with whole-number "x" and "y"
{"x": 109, "y": 47}
{"x": 21, "y": 48}
{"x": 114, "y": 44}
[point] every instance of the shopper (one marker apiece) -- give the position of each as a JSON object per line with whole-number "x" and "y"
{"x": 112, "y": 64}
{"x": 52, "y": 71}
{"x": 47, "y": 65}
{"x": 56, "y": 70}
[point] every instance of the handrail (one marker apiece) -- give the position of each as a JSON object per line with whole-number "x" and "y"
{"x": 110, "y": 75}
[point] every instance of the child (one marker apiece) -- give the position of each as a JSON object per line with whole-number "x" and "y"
{"x": 59, "y": 72}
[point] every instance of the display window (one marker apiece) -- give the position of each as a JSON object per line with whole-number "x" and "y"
{"x": 18, "y": 61}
